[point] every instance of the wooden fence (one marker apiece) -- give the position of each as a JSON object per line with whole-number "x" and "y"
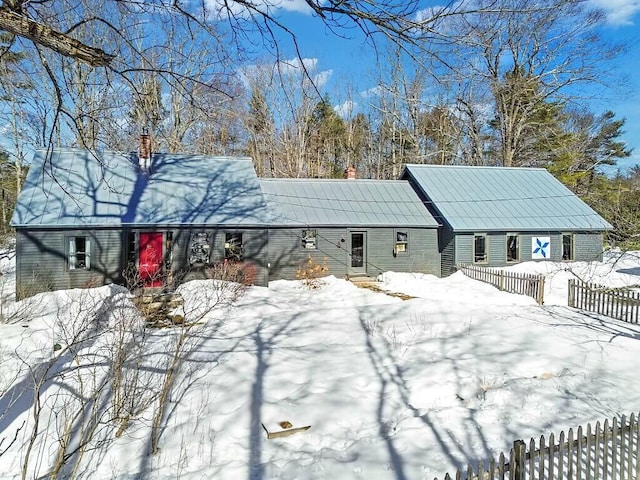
{"x": 520, "y": 283}
{"x": 622, "y": 304}
{"x": 607, "y": 452}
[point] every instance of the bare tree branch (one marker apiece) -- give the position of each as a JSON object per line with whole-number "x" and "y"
{"x": 48, "y": 37}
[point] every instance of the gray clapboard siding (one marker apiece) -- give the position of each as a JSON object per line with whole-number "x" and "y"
{"x": 42, "y": 263}
{"x": 464, "y": 248}
{"x": 525, "y": 246}
{"x": 286, "y": 253}
{"x": 254, "y": 251}
{"x": 447, "y": 252}
{"x": 556, "y": 245}
{"x": 497, "y": 248}
{"x": 588, "y": 246}
{"x": 422, "y": 253}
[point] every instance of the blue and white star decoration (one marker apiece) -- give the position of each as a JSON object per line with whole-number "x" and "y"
{"x": 540, "y": 248}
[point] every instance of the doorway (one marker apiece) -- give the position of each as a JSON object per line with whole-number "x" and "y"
{"x": 150, "y": 257}
{"x": 358, "y": 251}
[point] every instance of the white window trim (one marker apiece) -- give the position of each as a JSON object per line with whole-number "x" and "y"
{"x": 304, "y": 243}
{"x": 396, "y": 242}
{"x": 72, "y": 255}
{"x": 572, "y": 257}
{"x": 518, "y": 242}
{"x": 486, "y": 248}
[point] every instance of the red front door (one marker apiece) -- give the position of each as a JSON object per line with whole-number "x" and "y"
{"x": 150, "y": 259}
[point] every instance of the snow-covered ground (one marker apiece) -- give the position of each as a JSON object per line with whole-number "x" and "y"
{"x": 392, "y": 389}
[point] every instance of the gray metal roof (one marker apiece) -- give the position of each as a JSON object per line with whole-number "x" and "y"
{"x": 504, "y": 199}
{"x": 77, "y": 188}
{"x": 346, "y": 203}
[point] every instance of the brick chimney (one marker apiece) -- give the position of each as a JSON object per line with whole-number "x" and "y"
{"x": 350, "y": 173}
{"x": 144, "y": 155}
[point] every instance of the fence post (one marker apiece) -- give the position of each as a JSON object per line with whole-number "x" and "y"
{"x": 570, "y": 300}
{"x": 502, "y": 280}
{"x": 519, "y": 448}
{"x": 540, "y": 298}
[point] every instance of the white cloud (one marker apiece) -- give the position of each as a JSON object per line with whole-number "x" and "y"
{"x": 221, "y": 8}
{"x": 429, "y": 13}
{"x": 299, "y": 6}
{"x": 619, "y": 12}
{"x": 322, "y": 78}
{"x": 371, "y": 92}
{"x": 346, "y": 109}
{"x": 295, "y": 65}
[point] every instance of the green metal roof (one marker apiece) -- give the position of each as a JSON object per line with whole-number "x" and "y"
{"x": 346, "y": 203}
{"x": 502, "y": 199}
{"x": 79, "y": 188}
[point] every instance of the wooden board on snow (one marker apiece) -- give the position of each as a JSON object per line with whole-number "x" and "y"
{"x": 285, "y": 432}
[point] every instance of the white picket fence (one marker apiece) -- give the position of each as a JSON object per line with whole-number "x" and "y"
{"x": 610, "y": 451}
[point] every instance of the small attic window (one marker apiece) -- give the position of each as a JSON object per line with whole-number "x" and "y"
{"x": 309, "y": 239}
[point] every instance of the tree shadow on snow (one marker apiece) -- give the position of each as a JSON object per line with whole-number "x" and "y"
{"x": 395, "y": 389}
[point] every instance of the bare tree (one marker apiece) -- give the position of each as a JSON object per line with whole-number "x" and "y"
{"x": 528, "y": 53}
{"x": 105, "y": 52}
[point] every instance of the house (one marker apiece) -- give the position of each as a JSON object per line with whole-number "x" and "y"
{"x": 354, "y": 227}
{"x": 500, "y": 216}
{"x": 152, "y": 220}
{"x": 83, "y": 219}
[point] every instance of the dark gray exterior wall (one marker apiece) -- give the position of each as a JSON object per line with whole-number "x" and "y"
{"x": 447, "y": 251}
{"x": 254, "y": 243}
{"x": 42, "y": 256}
{"x": 286, "y": 253}
{"x": 588, "y": 246}
{"x": 42, "y": 260}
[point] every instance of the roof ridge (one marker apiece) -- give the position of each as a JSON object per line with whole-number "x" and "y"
{"x": 469, "y": 167}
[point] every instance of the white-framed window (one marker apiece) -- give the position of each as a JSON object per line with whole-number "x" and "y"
{"x": 402, "y": 242}
{"x": 480, "y": 252}
{"x": 309, "y": 239}
{"x": 567, "y": 246}
{"x": 79, "y": 253}
{"x": 513, "y": 247}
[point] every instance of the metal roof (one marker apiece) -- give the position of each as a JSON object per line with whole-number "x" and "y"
{"x": 79, "y": 188}
{"x": 504, "y": 199}
{"x": 346, "y": 203}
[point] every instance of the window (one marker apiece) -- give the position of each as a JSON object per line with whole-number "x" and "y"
{"x": 480, "y": 249}
{"x": 233, "y": 247}
{"x": 402, "y": 242}
{"x": 513, "y": 248}
{"x": 309, "y": 239}
{"x": 567, "y": 246}
{"x": 79, "y": 253}
{"x": 132, "y": 250}
{"x": 199, "y": 249}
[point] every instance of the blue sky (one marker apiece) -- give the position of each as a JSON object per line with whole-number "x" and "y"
{"x": 348, "y": 63}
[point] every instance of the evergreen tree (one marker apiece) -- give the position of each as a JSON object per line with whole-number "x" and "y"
{"x": 327, "y": 139}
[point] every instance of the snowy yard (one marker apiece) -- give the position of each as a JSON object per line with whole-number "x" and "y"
{"x": 392, "y": 389}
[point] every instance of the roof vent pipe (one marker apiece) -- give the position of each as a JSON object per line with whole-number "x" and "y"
{"x": 144, "y": 155}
